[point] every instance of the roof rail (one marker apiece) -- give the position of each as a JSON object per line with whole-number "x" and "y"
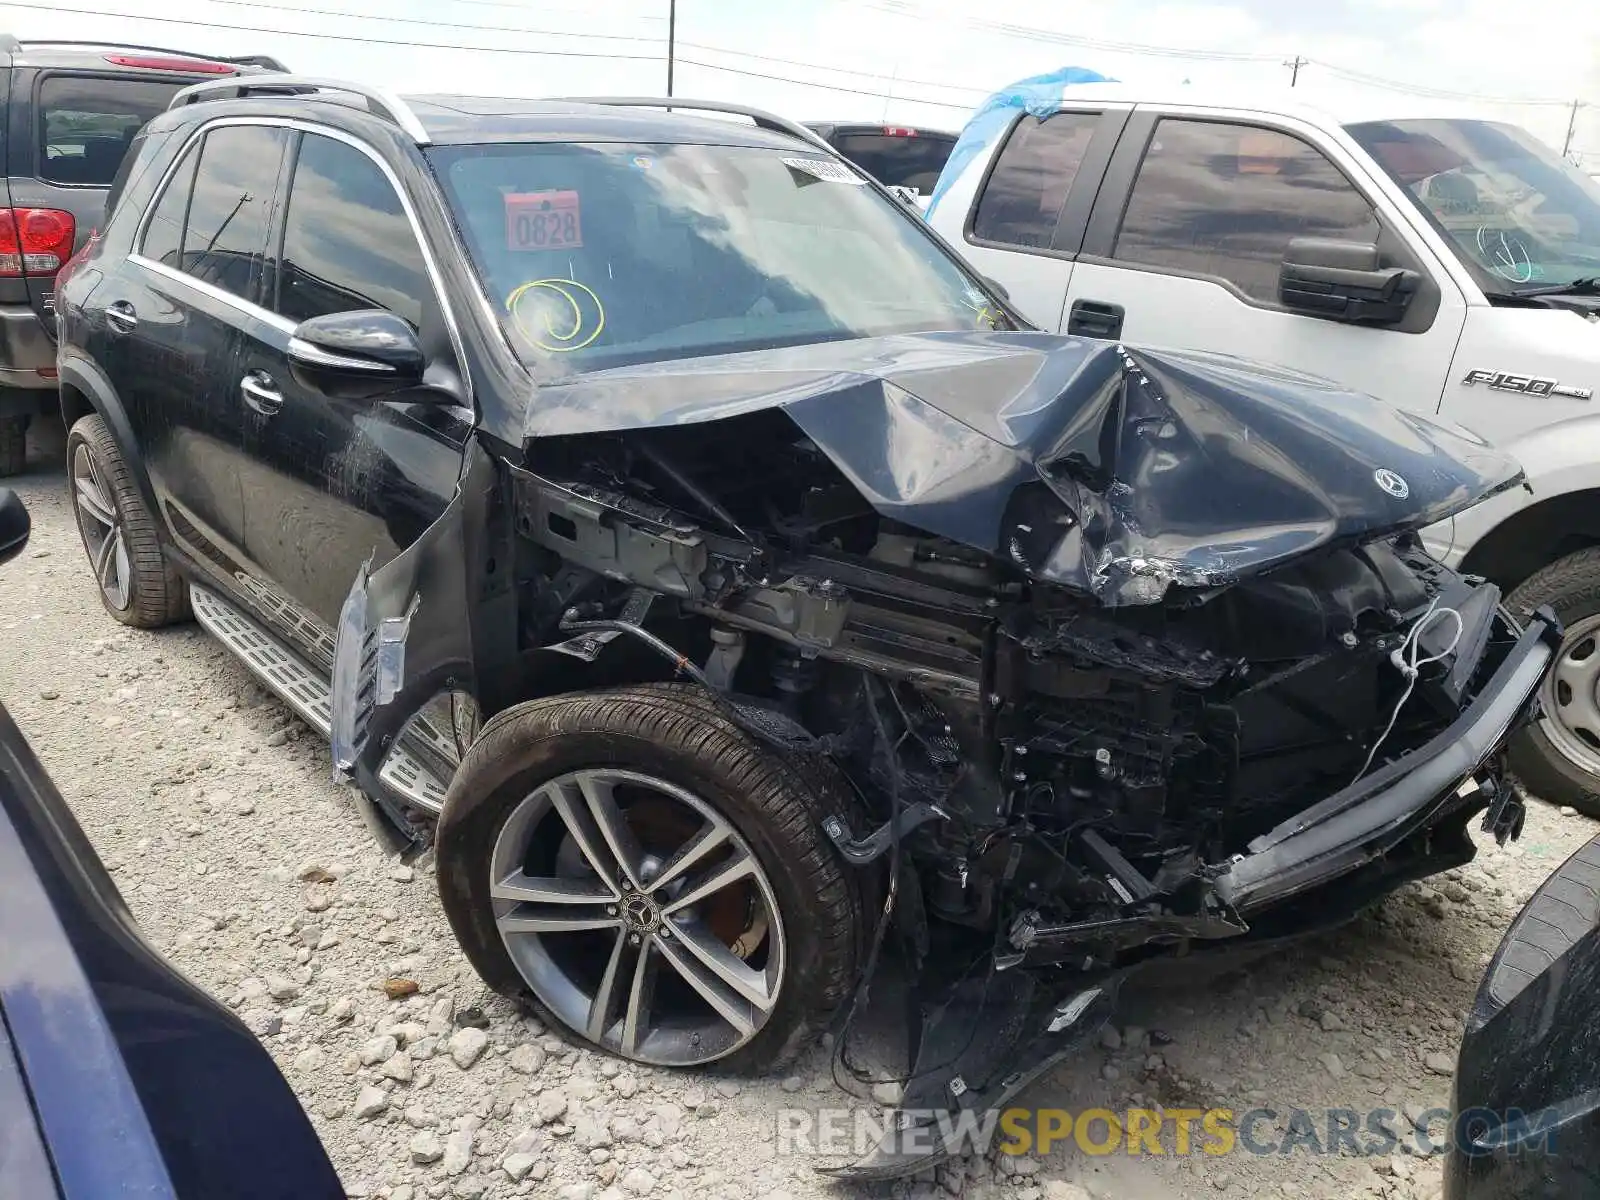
{"x": 760, "y": 116}
{"x": 380, "y": 102}
{"x": 12, "y": 44}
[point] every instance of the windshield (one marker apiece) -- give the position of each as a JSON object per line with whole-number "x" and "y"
{"x": 600, "y": 255}
{"x": 1515, "y": 212}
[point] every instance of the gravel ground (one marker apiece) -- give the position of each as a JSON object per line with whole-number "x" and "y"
{"x": 243, "y": 862}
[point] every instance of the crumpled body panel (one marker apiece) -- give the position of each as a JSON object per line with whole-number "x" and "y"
{"x": 1114, "y": 471}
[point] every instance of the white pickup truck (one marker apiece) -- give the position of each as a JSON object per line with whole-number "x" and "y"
{"x": 1448, "y": 264}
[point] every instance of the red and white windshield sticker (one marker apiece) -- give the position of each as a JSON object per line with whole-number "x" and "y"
{"x": 543, "y": 221}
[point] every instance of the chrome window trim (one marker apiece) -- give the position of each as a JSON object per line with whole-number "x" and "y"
{"x": 435, "y": 276}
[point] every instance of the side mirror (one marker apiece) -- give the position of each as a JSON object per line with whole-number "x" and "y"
{"x": 1342, "y": 281}
{"x": 15, "y": 525}
{"x": 360, "y": 355}
{"x": 995, "y": 286}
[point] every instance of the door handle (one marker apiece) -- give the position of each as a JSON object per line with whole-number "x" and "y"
{"x": 1093, "y": 318}
{"x": 260, "y": 393}
{"x": 120, "y": 316}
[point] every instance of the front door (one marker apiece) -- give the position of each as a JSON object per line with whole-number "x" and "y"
{"x": 329, "y": 484}
{"x": 1189, "y": 256}
{"x": 174, "y": 319}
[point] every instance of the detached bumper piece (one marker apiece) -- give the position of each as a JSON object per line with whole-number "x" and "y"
{"x": 1379, "y": 811}
{"x": 987, "y": 1041}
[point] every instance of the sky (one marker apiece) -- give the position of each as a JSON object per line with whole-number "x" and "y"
{"x": 910, "y": 61}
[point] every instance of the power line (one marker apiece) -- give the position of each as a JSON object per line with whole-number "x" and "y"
{"x": 354, "y": 16}
{"x": 522, "y": 6}
{"x": 331, "y": 37}
{"x": 902, "y": 8}
{"x": 829, "y": 87}
{"x": 378, "y": 41}
{"x": 791, "y": 62}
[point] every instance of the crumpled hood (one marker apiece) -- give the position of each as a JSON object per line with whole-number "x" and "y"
{"x": 1116, "y": 471}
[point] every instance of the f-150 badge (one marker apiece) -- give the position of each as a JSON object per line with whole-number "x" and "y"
{"x": 1528, "y": 385}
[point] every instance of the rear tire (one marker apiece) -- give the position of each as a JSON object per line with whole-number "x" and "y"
{"x": 13, "y": 445}
{"x": 678, "y": 736}
{"x": 137, "y": 585}
{"x": 1558, "y": 759}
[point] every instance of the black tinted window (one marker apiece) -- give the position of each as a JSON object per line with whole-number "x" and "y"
{"x": 898, "y": 160}
{"x": 347, "y": 242}
{"x": 163, "y": 234}
{"x": 1225, "y": 200}
{"x": 226, "y": 233}
{"x": 86, "y": 125}
{"x": 1022, "y": 201}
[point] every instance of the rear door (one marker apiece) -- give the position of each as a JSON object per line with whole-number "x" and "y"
{"x": 329, "y": 483}
{"x": 1022, "y": 220}
{"x": 69, "y": 132}
{"x": 1189, "y": 232}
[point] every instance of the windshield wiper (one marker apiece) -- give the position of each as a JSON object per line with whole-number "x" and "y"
{"x": 1589, "y": 286}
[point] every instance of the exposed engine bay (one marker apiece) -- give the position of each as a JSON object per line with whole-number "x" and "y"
{"x": 1132, "y": 663}
{"x": 1066, "y": 764}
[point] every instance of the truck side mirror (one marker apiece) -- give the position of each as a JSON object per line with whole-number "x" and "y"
{"x": 1342, "y": 281}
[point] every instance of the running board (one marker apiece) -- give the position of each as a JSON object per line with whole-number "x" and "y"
{"x": 286, "y": 675}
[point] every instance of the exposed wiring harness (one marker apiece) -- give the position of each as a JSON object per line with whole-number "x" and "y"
{"x": 1409, "y": 660}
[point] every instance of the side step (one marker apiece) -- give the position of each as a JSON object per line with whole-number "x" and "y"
{"x": 282, "y": 672}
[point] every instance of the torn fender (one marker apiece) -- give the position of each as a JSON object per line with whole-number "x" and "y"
{"x": 420, "y": 626}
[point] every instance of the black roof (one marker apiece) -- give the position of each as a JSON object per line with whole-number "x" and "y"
{"x": 463, "y": 120}
{"x": 481, "y": 120}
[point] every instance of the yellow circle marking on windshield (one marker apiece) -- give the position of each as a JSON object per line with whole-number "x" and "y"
{"x": 561, "y": 343}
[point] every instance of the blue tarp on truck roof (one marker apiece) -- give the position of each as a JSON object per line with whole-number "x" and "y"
{"x": 1038, "y": 94}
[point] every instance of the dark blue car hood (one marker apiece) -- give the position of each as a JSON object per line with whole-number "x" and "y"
{"x": 1113, "y": 470}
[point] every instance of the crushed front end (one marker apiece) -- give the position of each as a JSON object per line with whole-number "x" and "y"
{"x": 1137, "y": 659}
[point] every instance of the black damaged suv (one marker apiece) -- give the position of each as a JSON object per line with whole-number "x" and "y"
{"x": 660, "y": 506}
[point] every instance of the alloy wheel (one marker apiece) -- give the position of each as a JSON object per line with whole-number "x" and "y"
{"x": 101, "y": 526}
{"x": 638, "y": 916}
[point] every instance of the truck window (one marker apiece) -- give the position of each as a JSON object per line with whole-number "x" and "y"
{"x": 1225, "y": 201}
{"x": 895, "y": 159}
{"x": 1022, "y": 200}
{"x": 87, "y": 123}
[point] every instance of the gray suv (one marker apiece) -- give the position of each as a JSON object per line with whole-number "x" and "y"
{"x": 71, "y": 111}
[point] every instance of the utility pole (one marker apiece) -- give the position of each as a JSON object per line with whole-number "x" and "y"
{"x": 672, "y": 40}
{"x": 1572, "y": 125}
{"x": 1294, "y": 66}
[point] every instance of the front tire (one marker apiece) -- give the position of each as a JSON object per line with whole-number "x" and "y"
{"x": 579, "y": 854}
{"x": 137, "y": 585}
{"x": 1558, "y": 759}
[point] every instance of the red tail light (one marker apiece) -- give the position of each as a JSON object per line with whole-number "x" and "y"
{"x": 186, "y": 65}
{"x": 34, "y": 241}
{"x": 898, "y": 131}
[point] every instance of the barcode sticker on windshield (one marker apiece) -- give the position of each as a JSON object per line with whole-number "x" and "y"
{"x": 543, "y": 221}
{"x": 824, "y": 168}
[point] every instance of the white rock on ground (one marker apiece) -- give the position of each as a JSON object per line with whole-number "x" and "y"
{"x": 197, "y": 737}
